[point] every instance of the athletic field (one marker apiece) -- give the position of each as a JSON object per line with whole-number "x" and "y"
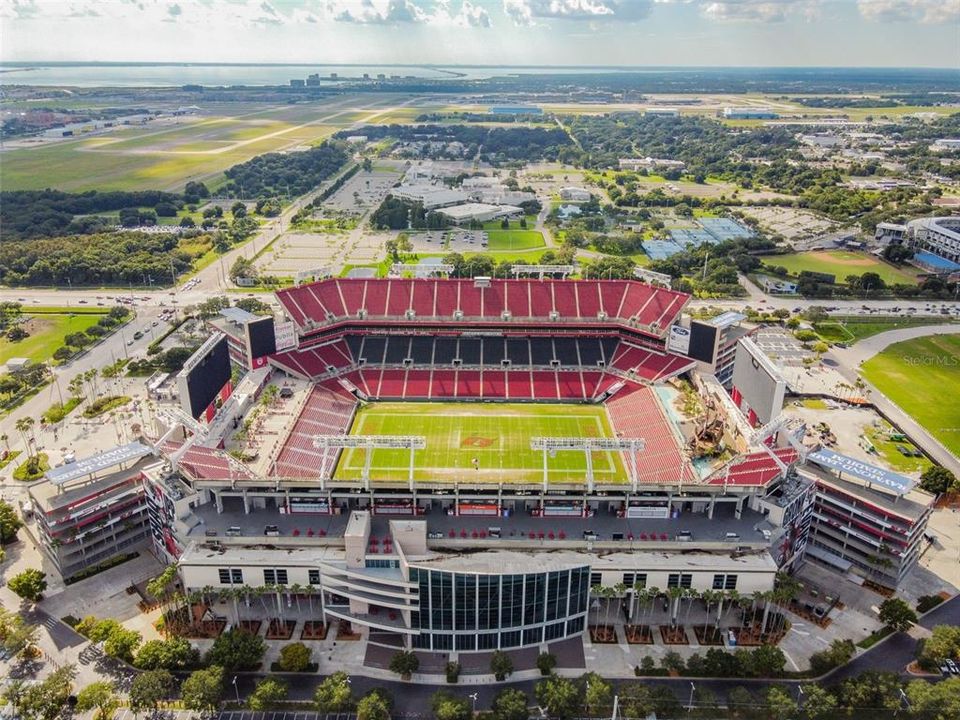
{"x": 841, "y": 263}
{"x": 496, "y": 435}
{"x": 922, "y": 377}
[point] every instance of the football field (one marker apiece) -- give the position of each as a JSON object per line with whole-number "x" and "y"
{"x": 481, "y": 442}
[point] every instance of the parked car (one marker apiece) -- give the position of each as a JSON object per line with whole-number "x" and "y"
{"x": 271, "y": 530}
{"x": 684, "y": 536}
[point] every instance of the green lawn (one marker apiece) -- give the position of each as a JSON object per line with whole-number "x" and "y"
{"x": 887, "y": 449}
{"x": 857, "y": 328}
{"x": 840, "y": 263}
{"x": 46, "y": 335}
{"x": 514, "y": 240}
{"x": 498, "y": 436}
{"x": 922, "y": 376}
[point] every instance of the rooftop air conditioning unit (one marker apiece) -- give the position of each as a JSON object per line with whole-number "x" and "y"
{"x": 411, "y": 314}
{"x": 362, "y": 313}
{"x": 655, "y": 326}
{"x": 554, "y": 315}
{"x": 602, "y": 315}
{"x": 458, "y": 314}
{"x": 481, "y": 281}
{"x": 505, "y": 315}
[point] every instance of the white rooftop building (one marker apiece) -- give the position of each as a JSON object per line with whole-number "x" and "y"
{"x": 575, "y": 194}
{"x": 481, "y": 212}
{"x": 430, "y": 196}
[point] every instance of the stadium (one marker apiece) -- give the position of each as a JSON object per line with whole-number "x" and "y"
{"x": 442, "y": 436}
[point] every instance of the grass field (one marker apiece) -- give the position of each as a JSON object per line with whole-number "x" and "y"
{"x": 46, "y": 335}
{"x": 922, "y": 376}
{"x": 497, "y": 435}
{"x": 852, "y": 329}
{"x": 841, "y": 263}
{"x": 515, "y": 240}
{"x": 165, "y": 157}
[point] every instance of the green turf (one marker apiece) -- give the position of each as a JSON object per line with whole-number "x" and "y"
{"x": 853, "y": 329}
{"x": 922, "y": 376}
{"x": 46, "y": 335}
{"x": 497, "y": 435}
{"x": 841, "y": 263}
{"x": 514, "y": 240}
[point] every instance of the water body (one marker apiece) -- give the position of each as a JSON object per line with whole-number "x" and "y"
{"x": 174, "y": 75}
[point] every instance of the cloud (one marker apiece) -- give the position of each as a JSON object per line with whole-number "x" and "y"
{"x": 933, "y": 12}
{"x": 528, "y": 12}
{"x": 768, "y": 11}
{"x": 391, "y": 12}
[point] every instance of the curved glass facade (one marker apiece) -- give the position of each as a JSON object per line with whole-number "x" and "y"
{"x": 476, "y": 611}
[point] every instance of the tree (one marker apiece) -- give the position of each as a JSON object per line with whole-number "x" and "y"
{"x": 943, "y": 643}
{"x": 149, "y": 689}
{"x": 236, "y": 650}
{"x": 510, "y": 704}
{"x": 597, "y": 693}
{"x": 99, "y": 696}
{"x": 295, "y": 657}
{"x": 374, "y": 706}
{"x": 203, "y": 689}
{"x": 29, "y": 585}
{"x": 46, "y": 699}
{"x": 267, "y": 694}
{"x": 334, "y": 695}
{"x": 839, "y": 653}
{"x": 767, "y": 661}
{"x": 238, "y": 209}
{"x": 818, "y": 704}
{"x": 935, "y": 701}
{"x": 446, "y": 706}
{"x": 175, "y": 653}
{"x": 15, "y": 633}
{"x": 546, "y": 662}
{"x": 9, "y": 523}
{"x": 404, "y": 663}
{"x": 938, "y": 480}
{"x": 559, "y": 696}
{"x": 122, "y": 643}
{"x": 780, "y": 704}
{"x": 501, "y": 665}
{"x": 897, "y": 615}
{"x": 871, "y": 689}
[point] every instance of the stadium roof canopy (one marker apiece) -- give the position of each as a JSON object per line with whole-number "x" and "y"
{"x": 870, "y": 474}
{"x": 130, "y": 452}
{"x": 238, "y": 315}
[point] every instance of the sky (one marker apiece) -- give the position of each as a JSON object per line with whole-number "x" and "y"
{"x": 871, "y": 33}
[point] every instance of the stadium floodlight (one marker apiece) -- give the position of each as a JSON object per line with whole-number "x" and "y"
{"x": 541, "y": 270}
{"x": 551, "y": 445}
{"x": 422, "y": 270}
{"x": 371, "y": 442}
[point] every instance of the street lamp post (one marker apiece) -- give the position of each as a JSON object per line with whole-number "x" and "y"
{"x": 690, "y": 703}
{"x": 473, "y": 697}
{"x": 236, "y": 690}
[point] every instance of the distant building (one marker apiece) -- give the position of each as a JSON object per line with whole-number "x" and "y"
{"x": 649, "y": 163}
{"x": 481, "y": 212}
{"x": 575, "y": 194}
{"x": 480, "y": 182}
{"x": 821, "y": 140}
{"x": 713, "y": 344}
{"x": 313, "y": 80}
{"x": 430, "y": 196}
{"x": 938, "y": 235}
{"x": 333, "y": 76}
{"x": 381, "y": 76}
{"x": 661, "y": 112}
{"x": 297, "y": 83}
{"x": 516, "y": 110}
{"x": 758, "y": 113}
{"x": 946, "y": 144}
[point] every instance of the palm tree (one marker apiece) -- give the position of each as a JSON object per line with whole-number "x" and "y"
{"x": 733, "y": 596}
{"x": 6, "y": 442}
{"x": 637, "y": 601}
{"x": 652, "y": 595}
{"x": 709, "y": 597}
{"x": 25, "y": 427}
{"x": 690, "y": 595}
{"x": 675, "y": 594}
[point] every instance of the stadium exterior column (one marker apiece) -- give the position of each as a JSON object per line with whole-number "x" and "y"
{"x": 246, "y": 502}
{"x": 218, "y": 500}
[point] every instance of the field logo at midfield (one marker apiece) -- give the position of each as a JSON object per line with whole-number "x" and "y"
{"x": 476, "y": 441}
